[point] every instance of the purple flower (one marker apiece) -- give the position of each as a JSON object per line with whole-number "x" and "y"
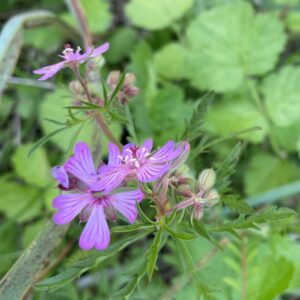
{"x": 70, "y": 59}
{"x": 94, "y": 207}
{"x": 136, "y": 163}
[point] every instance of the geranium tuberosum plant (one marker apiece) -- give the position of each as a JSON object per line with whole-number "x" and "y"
{"x": 122, "y": 190}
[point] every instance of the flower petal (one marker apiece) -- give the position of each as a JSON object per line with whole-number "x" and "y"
{"x": 96, "y": 232}
{"x": 49, "y": 71}
{"x": 100, "y": 50}
{"x": 125, "y": 203}
{"x": 69, "y": 206}
{"x": 60, "y": 174}
{"x": 151, "y": 171}
{"x": 113, "y": 155}
{"x": 148, "y": 144}
{"x": 81, "y": 164}
{"x": 110, "y": 178}
{"x": 182, "y": 157}
{"x": 166, "y": 152}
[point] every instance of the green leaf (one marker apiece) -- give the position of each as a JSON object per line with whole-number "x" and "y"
{"x": 34, "y": 170}
{"x": 118, "y": 87}
{"x": 95, "y": 258}
{"x": 153, "y": 253}
{"x": 126, "y": 292}
{"x": 11, "y": 40}
{"x": 141, "y": 13}
{"x": 230, "y": 42}
{"x": 48, "y": 38}
{"x": 19, "y": 202}
{"x": 170, "y": 61}
{"x": 194, "y": 128}
{"x": 281, "y": 91}
{"x": 130, "y": 228}
{"x": 238, "y": 205}
{"x": 267, "y": 172}
{"x": 179, "y": 235}
{"x": 144, "y": 216}
{"x": 268, "y": 287}
{"x": 45, "y": 139}
{"x": 227, "y": 168}
{"x": 171, "y": 125}
{"x": 122, "y": 42}
{"x": 270, "y": 214}
{"x": 235, "y": 113}
{"x": 287, "y": 137}
{"x": 202, "y": 231}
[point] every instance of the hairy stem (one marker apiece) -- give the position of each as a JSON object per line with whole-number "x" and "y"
{"x": 102, "y": 124}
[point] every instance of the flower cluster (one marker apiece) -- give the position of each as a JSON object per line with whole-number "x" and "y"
{"x": 95, "y": 194}
{"x": 202, "y": 194}
{"x": 98, "y": 194}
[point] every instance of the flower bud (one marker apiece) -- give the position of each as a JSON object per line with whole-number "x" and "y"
{"x": 207, "y": 179}
{"x": 212, "y": 197}
{"x": 75, "y": 87}
{"x": 113, "y": 78}
{"x": 128, "y": 90}
{"x": 198, "y": 211}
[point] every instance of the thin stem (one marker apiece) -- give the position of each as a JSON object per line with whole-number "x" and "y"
{"x": 98, "y": 117}
{"x": 102, "y": 124}
{"x": 78, "y": 12}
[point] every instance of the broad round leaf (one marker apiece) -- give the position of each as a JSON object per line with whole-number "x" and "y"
{"x": 35, "y": 169}
{"x": 170, "y": 61}
{"x": 229, "y": 43}
{"x": 281, "y": 93}
{"x": 236, "y": 114}
{"x": 156, "y": 14}
{"x": 19, "y": 202}
{"x": 266, "y": 172}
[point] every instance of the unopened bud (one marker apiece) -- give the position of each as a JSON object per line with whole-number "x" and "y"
{"x": 129, "y": 79}
{"x": 128, "y": 90}
{"x": 198, "y": 211}
{"x": 212, "y": 197}
{"x": 113, "y": 78}
{"x": 75, "y": 87}
{"x": 207, "y": 179}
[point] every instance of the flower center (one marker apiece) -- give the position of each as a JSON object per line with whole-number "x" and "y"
{"x": 68, "y": 50}
{"x": 134, "y": 157}
{"x": 100, "y": 199}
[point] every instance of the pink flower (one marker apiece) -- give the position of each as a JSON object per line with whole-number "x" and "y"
{"x": 136, "y": 163}
{"x": 95, "y": 207}
{"x": 70, "y": 59}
